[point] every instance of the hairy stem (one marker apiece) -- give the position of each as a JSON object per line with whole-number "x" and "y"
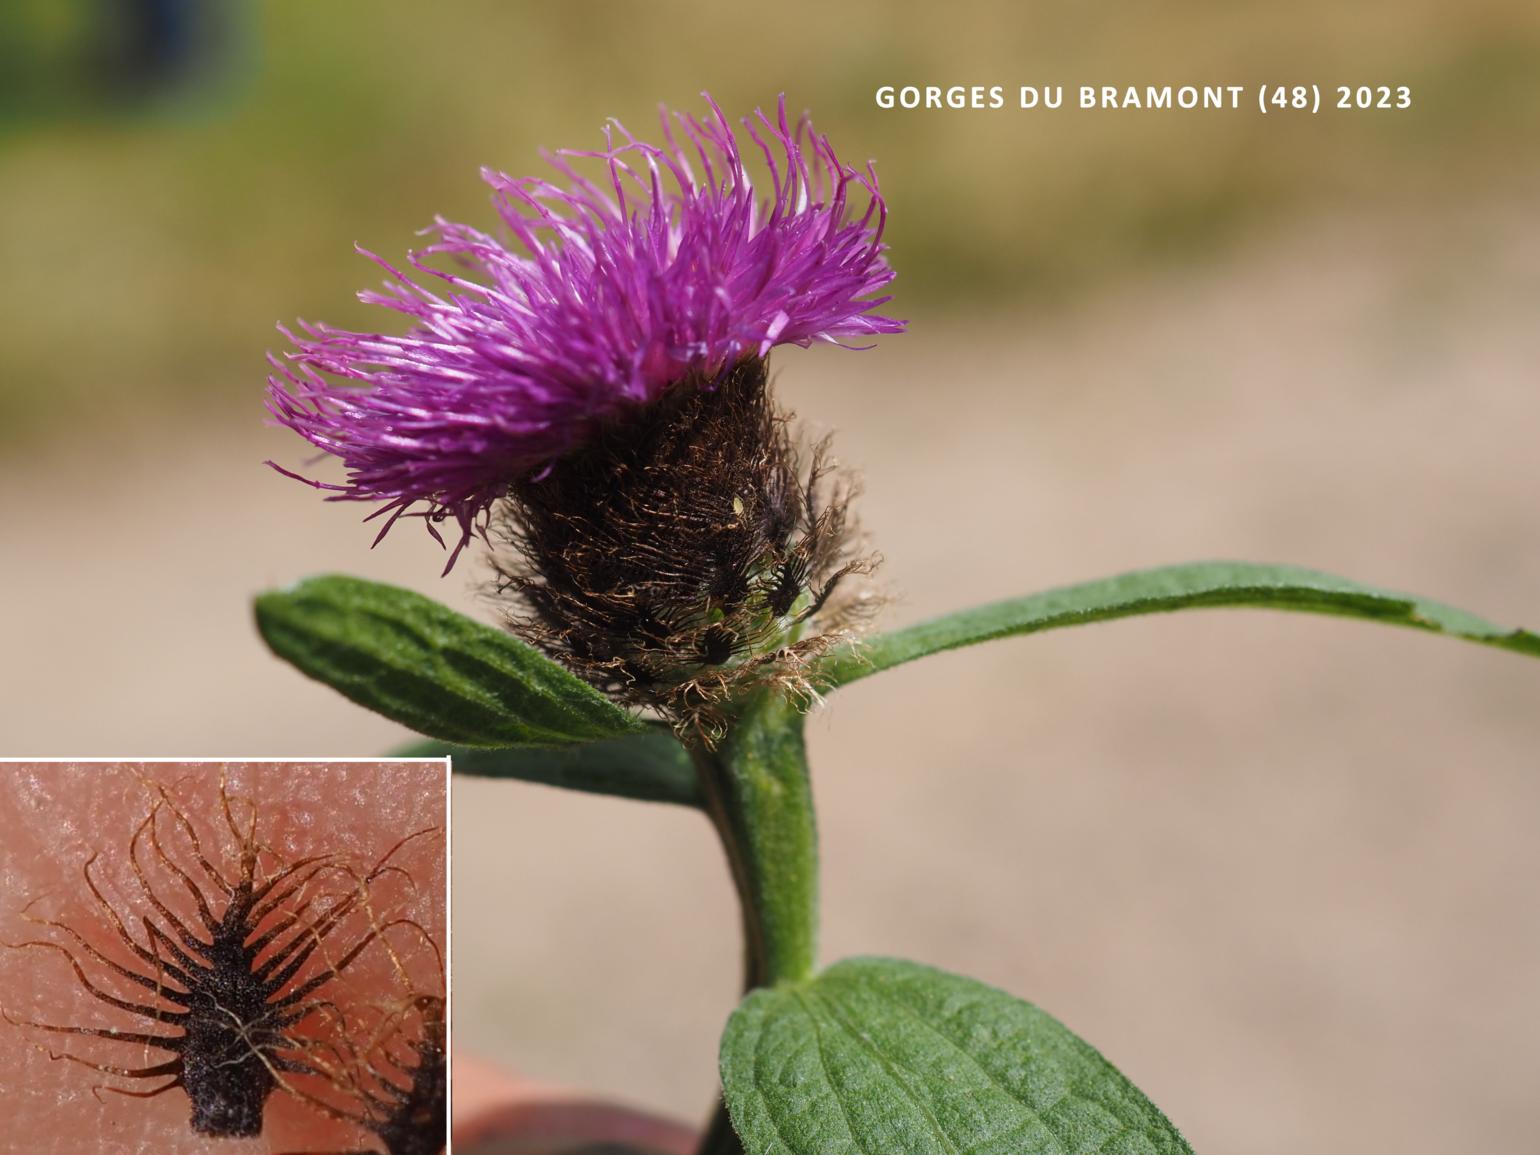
{"x": 760, "y": 799}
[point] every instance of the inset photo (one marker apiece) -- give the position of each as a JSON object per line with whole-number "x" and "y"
{"x": 241, "y": 956}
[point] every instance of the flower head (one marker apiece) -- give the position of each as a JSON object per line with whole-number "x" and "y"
{"x": 668, "y": 269}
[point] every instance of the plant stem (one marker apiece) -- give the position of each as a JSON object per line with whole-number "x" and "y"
{"x": 760, "y": 799}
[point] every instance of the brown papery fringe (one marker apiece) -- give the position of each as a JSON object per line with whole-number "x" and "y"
{"x": 687, "y": 555}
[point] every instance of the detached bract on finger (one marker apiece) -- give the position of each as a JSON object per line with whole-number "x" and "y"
{"x": 226, "y": 964}
{"x": 386, "y": 1064}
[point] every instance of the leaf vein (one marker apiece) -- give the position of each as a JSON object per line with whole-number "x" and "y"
{"x": 895, "y": 1001}
{"x": 840, "y": 1020}
{"x": 775, "y": 1123}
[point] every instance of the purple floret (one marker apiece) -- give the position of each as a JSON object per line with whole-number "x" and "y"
{"x": 666, "y": 269}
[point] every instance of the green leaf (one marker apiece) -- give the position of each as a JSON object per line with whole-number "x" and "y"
{"x": 1158, "y": 591}
{"x": 650, "y": 766}
{"x": 426, "y": 666}
{"x": 882, "y": 1057}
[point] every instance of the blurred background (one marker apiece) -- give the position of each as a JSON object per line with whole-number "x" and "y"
{"x": 1281, "y": 870}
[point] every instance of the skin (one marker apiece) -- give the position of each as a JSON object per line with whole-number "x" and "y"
{"x": 499, "y": 1113}
{"x": 56, "y": 815}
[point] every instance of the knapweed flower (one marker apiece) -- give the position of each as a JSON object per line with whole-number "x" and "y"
{"x": 600, "y": 398}
{"x": 666, "y": 268}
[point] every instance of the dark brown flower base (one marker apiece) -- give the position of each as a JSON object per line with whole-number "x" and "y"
{"x": 687, "y": 555}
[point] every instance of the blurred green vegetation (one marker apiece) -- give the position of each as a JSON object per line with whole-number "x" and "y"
{"x": 150, "y": 244}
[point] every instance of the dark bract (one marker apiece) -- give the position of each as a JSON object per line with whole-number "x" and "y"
{"x": 687, "y": 553}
